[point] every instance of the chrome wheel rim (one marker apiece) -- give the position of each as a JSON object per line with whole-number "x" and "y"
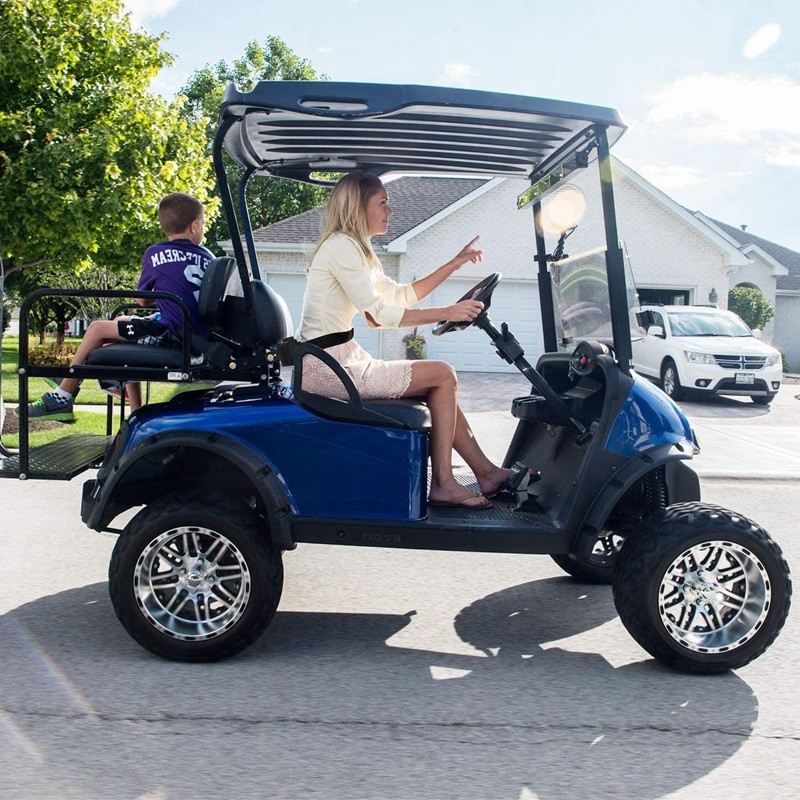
{"x": 192, "y": 583}
{"x": 670, "y": 380}
{"x": 607, "y": 547}
{"x": 714, "y": 597}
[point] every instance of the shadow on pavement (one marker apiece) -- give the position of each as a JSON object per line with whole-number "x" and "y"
{"x": 322, "y": 706}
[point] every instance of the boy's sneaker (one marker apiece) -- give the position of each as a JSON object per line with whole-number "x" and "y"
{"x": 51, "y": 406}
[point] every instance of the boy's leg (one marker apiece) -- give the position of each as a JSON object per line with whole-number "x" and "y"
{"x": 98, "y": 333}
{"x": 133, "y": 390}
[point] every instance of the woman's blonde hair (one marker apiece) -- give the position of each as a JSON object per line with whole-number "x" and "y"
{"x": 346, "y": 210}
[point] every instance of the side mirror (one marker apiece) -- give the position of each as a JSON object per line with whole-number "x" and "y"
{"x": 656, "y": 330}
{"x": 757, "y": 333}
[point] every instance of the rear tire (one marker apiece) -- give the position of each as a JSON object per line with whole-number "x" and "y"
{"x": 670, "y": 382}
{"x": 702, "y": 589}
{"x": 195, "y": 579}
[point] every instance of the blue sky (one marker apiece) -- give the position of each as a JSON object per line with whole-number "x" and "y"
{"x": 710, "y": 89}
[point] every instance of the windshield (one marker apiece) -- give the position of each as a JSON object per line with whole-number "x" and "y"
{"x": 581, "y": 300}
{"x": 707, "y": 323}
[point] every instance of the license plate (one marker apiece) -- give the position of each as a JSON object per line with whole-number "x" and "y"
{"x": 745, "y": 377}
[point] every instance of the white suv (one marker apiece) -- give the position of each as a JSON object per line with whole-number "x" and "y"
{"x": 706, "y": 349}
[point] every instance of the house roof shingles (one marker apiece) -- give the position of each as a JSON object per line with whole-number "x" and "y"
{"x": 417, "y": 199}
{"x": 783, "y": 255}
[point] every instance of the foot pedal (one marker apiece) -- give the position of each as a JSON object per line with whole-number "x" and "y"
{"x": 518, "y": 483}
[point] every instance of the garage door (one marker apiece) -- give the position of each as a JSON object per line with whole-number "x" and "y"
{"x": 291, "y": 286}
{"x": 514, "y": 302}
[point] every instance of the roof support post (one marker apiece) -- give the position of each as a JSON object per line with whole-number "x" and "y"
{"x": 228, "y": 206}
{"x": 545, "y": 284}
{"x": 246, "y": 224}
{"x": 615, "y": 260}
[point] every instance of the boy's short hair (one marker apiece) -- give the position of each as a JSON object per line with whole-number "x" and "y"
{"x": 177, "y": 211}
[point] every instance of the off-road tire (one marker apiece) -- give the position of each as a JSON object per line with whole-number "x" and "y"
{"x": 643, "y": 597}
{"x": 593, "y": 568}
{"x": 670, "y": 382}
{"x": 257, "y": 559}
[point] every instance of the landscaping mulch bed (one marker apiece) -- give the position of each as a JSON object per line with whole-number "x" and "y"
{"x": 11, "y": 424}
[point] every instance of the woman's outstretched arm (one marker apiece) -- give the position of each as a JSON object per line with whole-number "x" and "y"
{"x": 424, "y": 286}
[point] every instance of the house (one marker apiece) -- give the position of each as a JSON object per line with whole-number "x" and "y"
{"x": 676, "y": 256}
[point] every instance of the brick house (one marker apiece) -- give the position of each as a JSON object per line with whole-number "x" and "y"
{"x": 676, "y": 256}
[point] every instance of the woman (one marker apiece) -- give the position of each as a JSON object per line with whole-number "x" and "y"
{"x": 346, "y": 277}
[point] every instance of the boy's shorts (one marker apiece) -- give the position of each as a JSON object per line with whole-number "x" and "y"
{"x": 145, "y": 330}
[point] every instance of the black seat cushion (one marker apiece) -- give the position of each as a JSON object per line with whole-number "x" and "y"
{"x": 128, "y": 354}
{"x": 410, "y": 412}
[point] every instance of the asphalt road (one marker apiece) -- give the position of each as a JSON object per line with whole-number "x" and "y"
{"x": 391, "y": 674}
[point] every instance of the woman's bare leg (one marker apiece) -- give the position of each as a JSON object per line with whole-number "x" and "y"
{"x": 490, "y": 476}
{"x": 437, "y": 381}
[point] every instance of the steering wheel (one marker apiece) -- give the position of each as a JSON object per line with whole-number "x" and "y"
{"x": 481, "y": 291}
{"x": 584, "y": 357}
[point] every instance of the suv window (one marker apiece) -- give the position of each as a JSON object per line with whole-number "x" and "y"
{"x": 659, "y": 320}
{"x": 700, "y": 323}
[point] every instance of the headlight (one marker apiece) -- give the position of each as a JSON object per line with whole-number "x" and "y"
{"x": 699, "y": 358}
{"x": 774, "y": 359}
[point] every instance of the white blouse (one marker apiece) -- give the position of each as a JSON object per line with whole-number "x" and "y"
{"x": 341, "y": 283}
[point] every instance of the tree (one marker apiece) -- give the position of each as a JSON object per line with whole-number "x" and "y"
{"x": 751, "y": 305}
{"x": 86, "y": 150}
{"x": 269, "y": 199}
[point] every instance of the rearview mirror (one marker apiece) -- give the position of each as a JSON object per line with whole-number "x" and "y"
{"x": 656, "y": 330}
{"x": 757, "y": 333}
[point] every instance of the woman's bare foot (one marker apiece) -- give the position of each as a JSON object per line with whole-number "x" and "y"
{"x": 453, "y": 493}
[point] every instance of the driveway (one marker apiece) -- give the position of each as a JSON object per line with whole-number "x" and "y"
{"x": 738, "y": 439}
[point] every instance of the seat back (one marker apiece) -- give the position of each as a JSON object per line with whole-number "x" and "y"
{"x": 212, "y": 289}
{"x": 272, "y": 317}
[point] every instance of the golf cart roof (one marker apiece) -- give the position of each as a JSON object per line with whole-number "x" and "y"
{"x": 294, "y": 129}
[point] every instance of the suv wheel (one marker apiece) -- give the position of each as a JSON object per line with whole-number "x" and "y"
{"x": 670, "y": 382}
{"x": 763, "y": 400}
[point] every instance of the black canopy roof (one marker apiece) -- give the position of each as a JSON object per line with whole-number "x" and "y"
{"x": 294, "y": 128}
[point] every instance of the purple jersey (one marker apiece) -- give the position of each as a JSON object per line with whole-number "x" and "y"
{"x": 176, "y": 266}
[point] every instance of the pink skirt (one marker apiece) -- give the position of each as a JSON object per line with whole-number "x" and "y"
{"x": 373, "y": 378}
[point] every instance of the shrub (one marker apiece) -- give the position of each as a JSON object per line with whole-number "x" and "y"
{"x": 415, "y": 343}
{"x": 53, "y": 355}
{"x": 751, "y": 305}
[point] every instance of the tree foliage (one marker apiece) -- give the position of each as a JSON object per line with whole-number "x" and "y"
{"x": 86, "y": 150}
{"x": 269, "y": 199}
{"x": 751, "y": 305}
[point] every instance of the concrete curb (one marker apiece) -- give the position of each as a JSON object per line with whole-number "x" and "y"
{"x": 744, "y": 477}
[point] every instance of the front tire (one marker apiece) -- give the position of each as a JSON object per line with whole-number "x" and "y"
{"x": 702, "y": 589}
{"x": 670, "y": 382}
{"x": 763, "y": 400}
{"x": 195, "y": 579}
{"x": 596, "y": 567}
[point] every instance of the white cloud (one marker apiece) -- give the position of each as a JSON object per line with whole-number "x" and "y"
{"x": 761, "y": 40}
{"x": 326, "y": 51}
{"x": 763, "y": 112}
{"x": 456, "y": 74}
{"x": 671, "y": 176}
{"x": 141, "y": 10}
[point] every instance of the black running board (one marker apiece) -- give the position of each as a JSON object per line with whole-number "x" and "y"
{"x": 497, "y": 530}
{"x": 60, "y": 460}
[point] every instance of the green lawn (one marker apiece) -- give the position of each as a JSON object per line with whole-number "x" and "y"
{"x": 91, "y": 393}
{"x": 85, "y": 422}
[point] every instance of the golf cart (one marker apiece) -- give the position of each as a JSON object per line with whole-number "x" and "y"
{"x": 230, "y": 478}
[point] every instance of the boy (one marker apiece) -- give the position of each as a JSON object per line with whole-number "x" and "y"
{"x": 176, "y": 266}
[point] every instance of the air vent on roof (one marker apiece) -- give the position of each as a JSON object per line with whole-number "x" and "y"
{"x": 335, "y": 105}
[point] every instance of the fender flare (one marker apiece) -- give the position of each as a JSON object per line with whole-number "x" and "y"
{"x": 253, "y": 465}
{"x": 683, "y": 485}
